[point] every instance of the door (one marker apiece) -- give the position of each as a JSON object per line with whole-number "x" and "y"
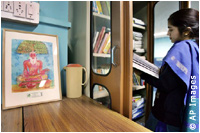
{"x": 113, "y": 79}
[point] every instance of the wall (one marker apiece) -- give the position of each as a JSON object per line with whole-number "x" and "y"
{"x": 79, "y": 37}
{"x": 162, "y": 12}
{"x": 53, "y": 20}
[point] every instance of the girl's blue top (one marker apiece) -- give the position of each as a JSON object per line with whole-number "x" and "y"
{"x": 183, "y": 58}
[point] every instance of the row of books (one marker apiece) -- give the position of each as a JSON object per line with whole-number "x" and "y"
{"x": 138, "y": 37}
{"x": 138, "y": 43}
{"x": 137, "y": 107}
{"x": 101, "y": 7}
{"x": 138, "y": 83}
{"x": 138, "y": 23}
{"x": 102, "y": 41}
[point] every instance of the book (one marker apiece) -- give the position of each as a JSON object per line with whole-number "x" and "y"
{"x": 137, "y": 106}
{"x": 138, "y": 21}
{"x": 138, "y": 78}
{"x": 104, "y": 42}
{"x": 136, "y": 96}
{"x": 95, "y": 38}
{"x": 138, "y": 109}
{"x": 109, "y": 50}
{"x": 137, "y": 34}
{"x": 137, "y": 115}
{"x": 107, "y": 47}
{"x": 94, "y": 8}
{"x": 135, "y": 80}
{"x": 108, "y": 6}
{"x": 145, "y": 66}
{"x": 138, "y": 87}
{"x": 137, "y": 102}
{"x": 104, "y": 8}
{"x": 101, "y": 34}
{"x": 99, "y": 7}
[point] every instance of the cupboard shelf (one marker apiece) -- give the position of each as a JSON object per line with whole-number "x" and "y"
{"x": 138, "y": 26}
{"x": 101, "y": 16}
{"x": 101, "y": 55}
{"x": 138, "y": 87}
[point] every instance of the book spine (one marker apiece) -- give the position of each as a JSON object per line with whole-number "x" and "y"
{"x": 108, "y": 6}
{"x": 95, "y": 39}
{"x": 104, "y": 43}
{"x": 99, "y": 7}
{"x": 135, "y": 80}
{"x": 99, "y": 39}
{"x": 109, "y": 50}
{"x": 104, "y": 8}
{"x": 105, "y": 50}
{"x": 95, "y": 7}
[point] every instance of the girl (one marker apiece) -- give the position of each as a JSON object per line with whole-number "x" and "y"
{"x": 178, "y": 76}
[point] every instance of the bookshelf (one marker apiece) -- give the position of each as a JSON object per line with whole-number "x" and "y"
{"x": 101, "y": 55}
{"x": 102, "y": 16}
{"x": 140, "y": 47}
{"x": 101, "y": 46}
{"x": 118, "y": 80}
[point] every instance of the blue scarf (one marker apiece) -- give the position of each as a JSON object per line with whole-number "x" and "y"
{"x": 183, "y": 58}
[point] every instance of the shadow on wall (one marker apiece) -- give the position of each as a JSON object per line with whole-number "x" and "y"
{"x": 72, "y": 51}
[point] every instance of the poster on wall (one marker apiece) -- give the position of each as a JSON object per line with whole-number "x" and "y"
{"x": 31, "y": 72}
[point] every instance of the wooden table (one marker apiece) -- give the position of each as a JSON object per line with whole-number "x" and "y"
{"x": 80, "y": 114}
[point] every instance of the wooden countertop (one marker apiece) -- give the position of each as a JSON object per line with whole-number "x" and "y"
{"x": 74, "y": 115}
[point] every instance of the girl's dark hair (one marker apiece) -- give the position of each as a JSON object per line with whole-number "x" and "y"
{"x": 185, "y": 18}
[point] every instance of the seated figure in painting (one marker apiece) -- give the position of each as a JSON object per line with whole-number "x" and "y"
{"x": 33, "y": 73}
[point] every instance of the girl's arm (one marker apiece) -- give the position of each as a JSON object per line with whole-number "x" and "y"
{"x": 167, "y": 81}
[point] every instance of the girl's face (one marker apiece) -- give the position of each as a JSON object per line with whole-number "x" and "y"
{"x": 173, "y": 33}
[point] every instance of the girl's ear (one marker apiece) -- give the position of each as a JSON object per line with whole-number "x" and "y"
{"x": 187, "y": 31}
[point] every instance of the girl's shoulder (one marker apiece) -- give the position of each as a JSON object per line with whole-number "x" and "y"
{"x": 185, "y": 47}
{"x": 180, "y": 43}
{"x": 185, "y": 44}
{"x": 181, "y": 46}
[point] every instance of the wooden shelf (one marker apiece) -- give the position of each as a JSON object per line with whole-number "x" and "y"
{"x": 138, "y": 87}
{"x": 101, "y": 16}
{"x": 138, "y": 26}
{"x": 101, "y": 55}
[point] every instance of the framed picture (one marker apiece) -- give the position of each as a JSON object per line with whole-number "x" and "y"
{"x": 31, "y": 72}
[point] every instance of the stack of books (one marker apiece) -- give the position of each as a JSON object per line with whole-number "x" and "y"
{"x": 137, "y": 107}
{"x": 101, "y": 7}
{"x": 138, "y": 37}
{"x": 138, "y": 23}
{"x": 138, "y": 43}
{"x": 102, "y": 41}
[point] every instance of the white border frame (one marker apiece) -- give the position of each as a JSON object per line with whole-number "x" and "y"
{"x": 12, "y": 100}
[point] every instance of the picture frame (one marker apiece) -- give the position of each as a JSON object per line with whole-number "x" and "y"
{"x": 31, "y": 71}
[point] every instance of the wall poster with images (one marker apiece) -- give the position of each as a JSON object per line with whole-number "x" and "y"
{"x": 30, "y": 68}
